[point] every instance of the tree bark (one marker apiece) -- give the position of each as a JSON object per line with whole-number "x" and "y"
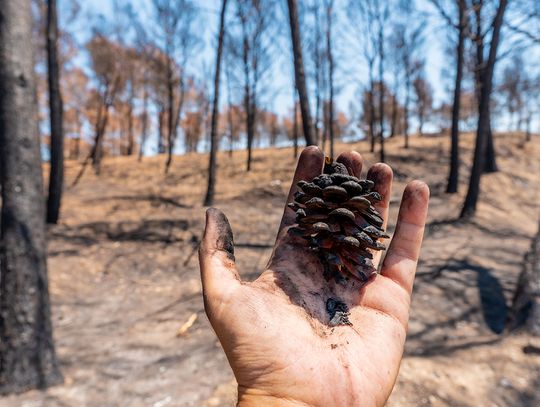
{"x": 170, "y": 112}
{"x": 525, "y": 309}
{"x": 330, "y": 75}
{"x": 131, "y": 139}
{"x": 469, "y": 206}
{"x": 393, "y": 118}
{"x": 56, "y": 177}
{"x": 101, "y": 124}
{"x": 453, "y": 176}
{"x": 295, "y": 129}
{"x": 371, "y": 109}
{"x": 161, "y": 123}
{"x": 300, "y": 77}
{"x": 27, "y": 354}
{"x": 210, "y": 192}
{"x": 490, "y": 163}
{"x": 144, "y": 124}
{"x": 381, "y": 92}
{"x": 406, "y": 108}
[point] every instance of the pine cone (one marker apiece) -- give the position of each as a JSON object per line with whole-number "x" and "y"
{"x": 335, "y": 214}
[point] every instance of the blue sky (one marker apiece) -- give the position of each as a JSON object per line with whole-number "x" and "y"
{"x": 348, "y": 77}
{"x": 282, "y": 76}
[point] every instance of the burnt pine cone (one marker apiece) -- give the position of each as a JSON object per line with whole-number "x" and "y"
{"x": 335, "y": 214}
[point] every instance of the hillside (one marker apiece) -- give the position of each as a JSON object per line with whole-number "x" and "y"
{"x": 124, "y": 278}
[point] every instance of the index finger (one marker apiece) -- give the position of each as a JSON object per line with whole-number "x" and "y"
{"x": 310, "y": 164}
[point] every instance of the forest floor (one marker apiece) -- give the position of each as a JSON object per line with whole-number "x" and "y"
{"x": 124, "y": 278}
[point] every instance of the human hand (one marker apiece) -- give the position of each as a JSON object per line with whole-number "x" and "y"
{"x": 275, "y": 331}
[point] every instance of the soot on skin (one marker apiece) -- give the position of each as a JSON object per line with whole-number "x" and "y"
{"x": 225, "y": 241}
{"x": 338, "y": 312}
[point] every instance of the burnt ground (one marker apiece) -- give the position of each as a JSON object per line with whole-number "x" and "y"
{"x": 124, "y": 279}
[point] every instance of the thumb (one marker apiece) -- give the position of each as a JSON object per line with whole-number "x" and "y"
{"x": 216, "y": 259}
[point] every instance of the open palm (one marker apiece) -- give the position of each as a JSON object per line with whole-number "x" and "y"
{"x": 276, "y": 331}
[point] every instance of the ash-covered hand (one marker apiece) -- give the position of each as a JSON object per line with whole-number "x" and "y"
{"x": 278, "y": 332}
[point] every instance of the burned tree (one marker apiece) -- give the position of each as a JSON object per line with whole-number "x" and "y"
{"x": 251, "y": 45}
{"x": 329, "y": 5}
{"x": 486, "y": 79}
{"x": 209, "y": 199}
{"x": 27, "y": 354}
{"x": 408, "y": 40}
{"x": 424, "y": 99}
{"x": 175, "y": 39}
{"x": 56, "y": 177}
{"x": 299, "y": 74}
{"x": 460, "y": 24}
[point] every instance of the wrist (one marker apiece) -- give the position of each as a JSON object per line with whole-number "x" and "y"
{"x": 248, "y": 398}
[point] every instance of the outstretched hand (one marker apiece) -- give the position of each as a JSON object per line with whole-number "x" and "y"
{"x": 275, "y": 330}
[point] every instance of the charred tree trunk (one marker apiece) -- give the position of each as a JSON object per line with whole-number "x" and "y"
{"x": 174, "y": 129}
{"x": 144, "y": 124}
{"x": 453, "y": 176}
{"x": 170, "y": 113}
{"x": 490, "y": 163}
{"x": 27, "y": 354}
{"x": 101, "y": 124}
{"x": 230, "y": 116}
{"x": 393, "y": 118}
{"x": 525, "y": 309}
{"x": 469, "y": 206}
{"x": 131, "y": 139}
{"x": 406, "y": 110}
{"x": 381, "y": 94}
{"x": 330, "y": 75}
{"x": 295, "y": 129}
{"x": 210, "y": 192}
{"x": 300, "y": 77}
{"x": 250, "y": 124}
{"x": 372, "y": 119}
{"x": 318, "y": 78}
{"x": 56, "y": 178}
{"x": 161, "y": 124}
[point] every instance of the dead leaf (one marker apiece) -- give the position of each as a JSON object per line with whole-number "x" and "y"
{"x": 188, "y": 324}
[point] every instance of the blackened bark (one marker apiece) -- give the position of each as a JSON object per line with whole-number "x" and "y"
{"x": 490, "y": 163}
{"x": 330, "y": 74}
{"x": 250, "y": 121}
{"x": 174, "y": 130}
{"x": 248, "y": 102}
{"x": 101, "y": 124}
{"x": 170, "y": 112}
{"x": 56, "y": 177}
{"x": 381, "y": 91}
{"x": 453, "y": 176}
{"x": 525, "y": 309}
{"x": 300, "y": 77}
{"x": 406, "y": 109}
{"x": 229, "y": 110}
{"x": 27, "y": 355}
{"x": 393, "y": 118}
{"x": 469, "y": 206}
{"x": 131, "y": 138}
{"x": 144, "y": 124}
{"x": 371, "y": 110}
{"x": 295, "y": 129}
{"x": 161, "y": 124}
{"x": 210, "y": 192}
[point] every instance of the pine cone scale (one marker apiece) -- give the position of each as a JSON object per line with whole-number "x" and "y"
{"x": 335, "y": 213}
